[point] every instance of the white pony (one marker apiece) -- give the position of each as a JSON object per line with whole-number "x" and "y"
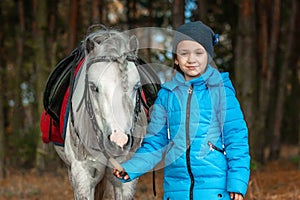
{"x": 106, "y": 120}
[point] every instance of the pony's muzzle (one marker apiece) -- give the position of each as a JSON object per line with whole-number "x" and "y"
{"x": 120, "y": 139}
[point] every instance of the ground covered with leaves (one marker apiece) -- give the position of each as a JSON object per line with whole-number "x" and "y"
{"x": 277, "y": 180}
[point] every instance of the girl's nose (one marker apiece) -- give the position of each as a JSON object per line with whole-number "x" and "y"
{"x": 191, "y": 58}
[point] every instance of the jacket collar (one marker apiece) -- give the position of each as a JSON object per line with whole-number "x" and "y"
{"x": 211, "y": 77}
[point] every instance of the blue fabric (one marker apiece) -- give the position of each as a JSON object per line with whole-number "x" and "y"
{"x": 214, "y": 109}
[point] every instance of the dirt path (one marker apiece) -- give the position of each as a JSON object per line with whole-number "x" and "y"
{"x": 277, "y": 181}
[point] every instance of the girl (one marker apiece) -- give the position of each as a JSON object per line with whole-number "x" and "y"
{"x": 197, "y": 127}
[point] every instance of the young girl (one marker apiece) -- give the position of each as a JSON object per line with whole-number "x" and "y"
{"x": 196, "y": 127}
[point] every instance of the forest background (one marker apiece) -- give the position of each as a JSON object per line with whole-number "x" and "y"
{"x": 259, "y": 46}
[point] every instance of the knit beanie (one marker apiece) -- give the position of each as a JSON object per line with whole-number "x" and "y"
{"x": 198, "y": 32}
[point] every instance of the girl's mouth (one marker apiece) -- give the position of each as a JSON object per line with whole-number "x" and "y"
{"x": 191, "y": 67}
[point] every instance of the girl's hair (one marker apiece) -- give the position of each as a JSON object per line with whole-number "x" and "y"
{"x": 175, "y": 66}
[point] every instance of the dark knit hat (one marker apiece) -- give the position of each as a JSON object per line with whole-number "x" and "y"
{"x": 198, "y": 32}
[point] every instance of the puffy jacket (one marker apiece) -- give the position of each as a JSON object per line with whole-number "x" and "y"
{"x": 188, "y": 116}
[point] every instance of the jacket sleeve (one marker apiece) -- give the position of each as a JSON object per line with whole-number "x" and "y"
{"x": 152, "y": 148}
{"x": 236, "y": 144}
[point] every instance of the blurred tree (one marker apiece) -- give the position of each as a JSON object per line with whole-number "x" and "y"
{"x": 2, "y": 131}
{"x": 268, "y": 74}
{"x": 6, "y": 38}
{"x": 97, "y": 11}
{"x": 18, "y": 109}
{"x": 245, "y": 73}
{"x": 283, "y": 71}
{"x": 73, "y": 24}
{"x": 202, "y": 10}
{"x": 177, "y": 13}
{"x": 131, "y": 13}
{"x": 40, "y": 9}
{"x": 2, "y": 115}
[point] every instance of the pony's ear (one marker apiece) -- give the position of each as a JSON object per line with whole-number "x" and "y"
{"x": 134, "y": 44}
{"x": 95, "y": 27}
{"x": 89, "y": 45}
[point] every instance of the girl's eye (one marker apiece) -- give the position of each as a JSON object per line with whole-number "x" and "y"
{"x": 199, "y": 52}
{"x": 183, "y": 54}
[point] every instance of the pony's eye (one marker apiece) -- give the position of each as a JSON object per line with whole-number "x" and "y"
{"x": 93, "y": 87}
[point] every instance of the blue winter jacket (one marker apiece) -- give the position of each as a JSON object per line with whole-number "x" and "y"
{"x": 190, "y": 122}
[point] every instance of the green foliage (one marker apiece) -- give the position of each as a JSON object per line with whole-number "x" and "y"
{"x": 22, "y": 147}
{"x": 295, "y": 159}
{"x": 254, "y": 165}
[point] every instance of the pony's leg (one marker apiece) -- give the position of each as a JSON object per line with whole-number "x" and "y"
{"x": 125, "y": 191}
{"x": 84, "y": 180}
{"x": 85, "y": 173}
{"x": 122, "y": 191}
{"x": 101, "y": 189}
{"x": 109, "y": 190}
{"x": 119, "y": 191}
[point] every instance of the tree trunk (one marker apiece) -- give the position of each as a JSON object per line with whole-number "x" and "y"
{"x": 103, "y": 11}
{"x": 263, "y": 63}
{"x": 268, "y": 41}
{"x": 202, "y": 10}
{"x": 18, "y": 110}
{"x": 52, "y": 40}
{"x": 268, "y": 87}
{"x": 96, "y": 11}
{"x": 131, "y": 13}
{"x": 41, "y": 70}
{"x": 245, "y": 71}
{"x": 73, "y": 20}
{"x": 2, "y": 131}
{"x": 263, "y": 33}
{"x": 2, "y": 92}
{"x": 297, "y": 78}
{"x": 177, "y": 13}
{"x": 283, "y": 75}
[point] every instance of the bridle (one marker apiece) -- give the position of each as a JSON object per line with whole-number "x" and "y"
{"x": 86, "y": 99}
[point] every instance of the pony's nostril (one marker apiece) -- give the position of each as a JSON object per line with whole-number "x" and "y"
{"x": 130, "y": 140}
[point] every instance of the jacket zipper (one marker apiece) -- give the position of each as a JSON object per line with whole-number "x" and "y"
{"x": 213, "y": 147}
{"x": 188, "y": 142}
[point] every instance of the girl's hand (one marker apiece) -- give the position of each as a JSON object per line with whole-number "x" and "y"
{"x": 236, "y": 196}
{"x": 120, "y": 174}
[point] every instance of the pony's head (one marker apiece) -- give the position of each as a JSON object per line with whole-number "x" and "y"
{"x": 108, "y": 85}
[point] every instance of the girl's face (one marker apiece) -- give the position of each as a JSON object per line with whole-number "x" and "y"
{"x": 192, "y": 59}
